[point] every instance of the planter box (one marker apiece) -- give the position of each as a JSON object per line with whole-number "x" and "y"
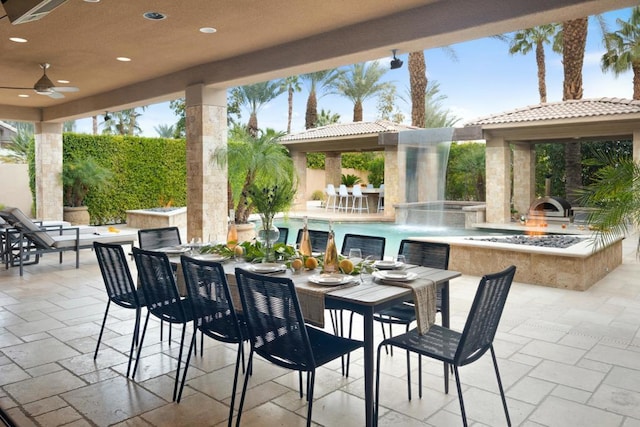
{"x": 146, "y": 218}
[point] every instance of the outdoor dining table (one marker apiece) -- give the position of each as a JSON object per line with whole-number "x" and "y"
{"x": 365, "y": 298}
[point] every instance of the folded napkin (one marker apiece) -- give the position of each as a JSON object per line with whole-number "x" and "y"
{"x": 424, "y": 299}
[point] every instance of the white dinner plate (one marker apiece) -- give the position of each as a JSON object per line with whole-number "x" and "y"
{"x": 211, "y": 257}
{"x": 331, "y": 279}
{"x": 173, "y": 250}
{"x": 395, "y": 276}
{"x": 387, "y": 265}
{"x": 267, "y": 267}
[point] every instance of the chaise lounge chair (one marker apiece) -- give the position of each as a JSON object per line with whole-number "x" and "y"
{"x": 26, "y": 241}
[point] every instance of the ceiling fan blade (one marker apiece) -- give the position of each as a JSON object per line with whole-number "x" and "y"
{"x": 16, "y": 88}
{"x": 65, "y": 89}
{"x": 55, "y": 95}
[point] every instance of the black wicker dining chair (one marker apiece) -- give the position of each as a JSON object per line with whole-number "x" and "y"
{"x": 120, "y": 288}
{"x": 318, "y": 239}
{"x": 426, "y": 254}
{"x": 158, "y": 285}
{"x": 372, "y": 247}
{"x": 154, "y": 238}
{"x": 277, "y": 331}
{"x": 462, "y": 348}
{"x": 283, "y": 236}
{"x": 213, "y": 312}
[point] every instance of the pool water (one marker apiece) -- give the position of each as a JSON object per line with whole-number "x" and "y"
{"x": 394, "y": 233}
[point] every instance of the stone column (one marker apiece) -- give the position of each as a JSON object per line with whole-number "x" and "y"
{"x": 48, "y": 153}
{"x": 333, "y": 168}
{"x": 394, "y": 178}
{"x": 524, "y": 176}
{"x": 498, "y": 179}
{"x": 300, "y": 165}
{"x": 636, "y": 146}
{"x": 206, "y": 128}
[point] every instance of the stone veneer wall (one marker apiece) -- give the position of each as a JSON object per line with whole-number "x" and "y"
{"x": 149, "y": 219}
{"x": 553, "y": 270}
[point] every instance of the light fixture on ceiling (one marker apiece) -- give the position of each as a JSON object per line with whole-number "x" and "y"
{"x": 18, "y": 39}
{"x": 154, "y": 16}
{"x": 123, "y": 59}
{"x": 107, "y": 117}
{"x": 207, "y": 30}
{"x": 395, "y": 62}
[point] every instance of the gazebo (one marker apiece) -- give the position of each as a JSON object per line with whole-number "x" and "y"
{"x": 557, "y": 122}
{"x": 335, "y": 139}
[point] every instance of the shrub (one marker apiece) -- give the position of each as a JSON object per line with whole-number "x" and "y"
{"x": 350, "y": 180}
{"x": 317, "y": 195}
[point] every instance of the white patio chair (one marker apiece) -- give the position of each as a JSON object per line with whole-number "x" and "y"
{"x": 331, "y": 195}
{"x": 359, "y": 202}
{"x": 380, "y": 199}
{"x": 344, "y": 195}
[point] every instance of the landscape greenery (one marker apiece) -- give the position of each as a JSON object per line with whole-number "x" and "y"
{"x": 571, "y": 166}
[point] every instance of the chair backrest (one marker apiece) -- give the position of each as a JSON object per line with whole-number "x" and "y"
{"x": 284, "y": 235}
{"x": 154, "y": 238}
{"x": 274, "y": 320}
{"x": 426, "y": 254}
{"x": 372, "y": 246}
{"x": 356, "y": 191}
{"x": 318, "y": 239}
{"x": 158, "y": 285}
{"x": 210, "y": 299}
{"x": 20, "y": 221}
{"x": 343, "y": 190}
{"x": 484, "y": 316}
{"x": 370, "y": 186}
{"x": 116, "y": 275}
{"x": 331, "y": 190}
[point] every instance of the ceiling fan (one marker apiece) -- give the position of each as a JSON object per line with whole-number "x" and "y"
{"x": 44, "y": 86}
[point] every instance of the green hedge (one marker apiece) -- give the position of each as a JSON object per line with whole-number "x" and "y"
{"x": 148, "y": 172}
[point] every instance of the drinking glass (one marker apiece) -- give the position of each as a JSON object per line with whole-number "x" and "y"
{"x": 401, "y": 259}
{"x": 355, "y": 253}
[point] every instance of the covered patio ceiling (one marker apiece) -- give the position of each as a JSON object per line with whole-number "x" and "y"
{"x": 254, "y": 41}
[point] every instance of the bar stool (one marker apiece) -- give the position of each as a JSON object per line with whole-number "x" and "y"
{"x": 358, "y": 198}
{"x": 343, "y": 193}
{"x": 331, "y": 194}
{"x": 381, "y": 199}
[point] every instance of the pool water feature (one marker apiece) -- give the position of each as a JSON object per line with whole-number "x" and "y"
{"x": 394, "y": 233}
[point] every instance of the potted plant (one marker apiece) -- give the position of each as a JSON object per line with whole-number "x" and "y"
{"x": 252, "y": 160}
{"x": 79, "y": 177}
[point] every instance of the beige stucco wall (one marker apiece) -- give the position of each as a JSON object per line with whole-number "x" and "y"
{"x": 15, "y": 186}
{"x": 316, "y": 179}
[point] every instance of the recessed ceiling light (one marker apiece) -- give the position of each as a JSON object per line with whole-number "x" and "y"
{"x": 123, "y": 59}
{"x": 154, "y": 16}
{"x": 92, "y": 1}
{"x": 18, "y": 39}
{"x": 63, "y": 81}
{"x": 22, "y": 95}
{"x": 208, "y": 30}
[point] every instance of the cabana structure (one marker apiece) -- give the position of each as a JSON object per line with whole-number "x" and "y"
{"x": 558, "y": 122}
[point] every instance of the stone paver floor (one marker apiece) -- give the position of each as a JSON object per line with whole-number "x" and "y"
{"x": 567, "y": 359}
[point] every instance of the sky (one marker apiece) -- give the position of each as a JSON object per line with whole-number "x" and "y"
{"x": 482, "y": 79}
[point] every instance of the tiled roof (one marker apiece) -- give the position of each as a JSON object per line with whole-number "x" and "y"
{"x": 563, "y": 110}
{"x": 338, "y": 130}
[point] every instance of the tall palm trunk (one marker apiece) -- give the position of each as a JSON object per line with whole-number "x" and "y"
{"x": 357, "y": 111}
{"x": 252, "y": 126}
{"x": 311, "y": 115}
{"x": 542, "y": 72}
{"x": 574, "y": 41}
{"x": 418, "y": 84}
{"x": 290, "y": 112}
{"x": 636, "y": 80}
{"x": 94, "y": 120}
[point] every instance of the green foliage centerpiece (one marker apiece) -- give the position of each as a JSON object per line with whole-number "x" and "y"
{"x": 268, "y": 201}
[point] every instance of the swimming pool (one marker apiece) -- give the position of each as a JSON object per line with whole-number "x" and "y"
{"x": 394, "y": 233}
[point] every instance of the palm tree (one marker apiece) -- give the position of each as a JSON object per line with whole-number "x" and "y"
{"x": 418, "y": 84}
{"x": 123, "y": 122}
{"x": 165, "y": 131}
{"x": 435, "y": 115}
{"x": 317, "y": 83}
{"x": 574, "y": 37}
{"x": 525, "y": 41}
{"x": 623, "y": 49}
{"x": 291, "y": 84}
{"x": 327, "y": 118}
{"x": 254, "y": 97}
{"x": 247, "y": 156}
{"x": 18, "y": 149}
{"x": 359, "y": 83}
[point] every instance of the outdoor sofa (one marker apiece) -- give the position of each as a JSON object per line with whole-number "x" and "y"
{"x": 24, "y": 241}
